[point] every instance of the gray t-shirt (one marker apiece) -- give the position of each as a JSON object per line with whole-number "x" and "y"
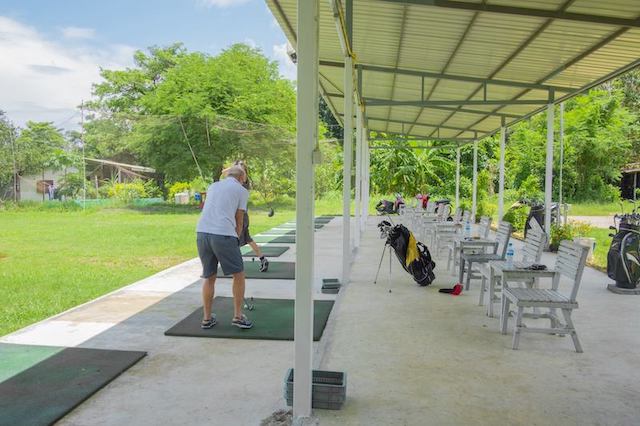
{"x": 224, "y": 198}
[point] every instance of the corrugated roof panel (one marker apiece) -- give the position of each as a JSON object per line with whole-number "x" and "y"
{"x": 430, "y": 37}
{"x": 614, "y": 8}
{"x": 534, "y": 4}
{"x": 561, "y": 42}
{"x": 491, "y": 41}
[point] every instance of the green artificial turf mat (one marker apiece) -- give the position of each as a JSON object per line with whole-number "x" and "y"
{"x": 15, "y": 358}
{"x": 293, "y": 226}
{"x": 279, "y": 232}
{"x": 275, "y": 239}
{"x": 45, "y": 392}
{"x": 277, "y": 271}
{"x": 272, "y": 320}
{"x": 267, "y": 251}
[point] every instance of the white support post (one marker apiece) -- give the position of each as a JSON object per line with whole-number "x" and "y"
{"x": 560, "y": 209}
{"x": 366, "y": 166}
{"x": 307, "y": 140}
{"x": 458, "y": 177}
{"x": 346, "y": 171}
{"x": 548, "y": 181}
{"x": 503, "y": 142}
{"x": 474, "y": 198}
{"x": 358, "y": 197}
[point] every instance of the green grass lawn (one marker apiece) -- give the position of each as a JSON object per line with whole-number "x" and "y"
{"x": 51, "y": 261}
{"x": 603, "y": 241}
{"x": 598, "y": 209}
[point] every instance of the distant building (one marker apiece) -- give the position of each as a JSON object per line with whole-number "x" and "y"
{"x": 42, "y": 186}
{"x": 630, "y": 181}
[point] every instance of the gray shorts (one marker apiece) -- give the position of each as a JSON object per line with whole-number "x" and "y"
{"x": 219, "y": 248}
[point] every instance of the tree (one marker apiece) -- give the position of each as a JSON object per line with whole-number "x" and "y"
{"x": 189, "y": 113}
{"x": 40, "y": 146}
{"x": 8, "y": 133}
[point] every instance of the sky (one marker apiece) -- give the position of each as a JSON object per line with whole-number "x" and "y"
{"x": 51, "y": 51}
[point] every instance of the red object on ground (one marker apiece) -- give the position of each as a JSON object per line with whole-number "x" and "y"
{"x": 457, "y": 289}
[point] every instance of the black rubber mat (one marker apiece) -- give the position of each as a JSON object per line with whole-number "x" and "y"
{"x": 272, "y": 320}
{"x": 45, "y": 392}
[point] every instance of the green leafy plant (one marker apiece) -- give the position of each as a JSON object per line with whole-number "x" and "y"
{"x": 128, "y": 191}
{"x": 560, "y": 233}
{"x": 517, "y": 216}
{"x": 177, "y": 188}
{"x": 72, "y": 185}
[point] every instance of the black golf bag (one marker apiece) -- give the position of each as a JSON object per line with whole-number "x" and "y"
{"x": 390, "y": 207}
{"x": 623, "y": 259}
{"x": 421, "y": 269}
{"x": 385, "y": 207}
{"x": 537, "y": 212}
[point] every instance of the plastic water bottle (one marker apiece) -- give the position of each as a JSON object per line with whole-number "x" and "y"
{"x": 510, "y": 254}
{"x": 467, "y": 230}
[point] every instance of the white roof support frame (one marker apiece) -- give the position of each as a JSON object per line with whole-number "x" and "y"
{"x": 563, "y": 45}
{"x": 524, "y": 11}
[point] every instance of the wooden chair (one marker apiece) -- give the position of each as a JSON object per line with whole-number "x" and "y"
{"x": 484, "y": 227}
{"x": 492, "y": 272}
{"x": 570, "y": 263}
{"x": 457, "y": 216}
{"x": 499, "y": 250}
{"x": 445, "y": 233}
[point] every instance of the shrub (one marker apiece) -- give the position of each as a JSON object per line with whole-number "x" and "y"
{"x": 72, "y": 185}
{"x": 128, "y": 191}
{"x": 152, "y": 189}
{"x": 560, "y": 233}
{"x": 610, "y": 193}
{"x": 517, "y": 216}
{"x": 199, "y": 185}
{"x": 485, "y": 208}
{"x": 176, "y": 188}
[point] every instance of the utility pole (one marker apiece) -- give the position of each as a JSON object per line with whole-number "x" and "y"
{"x": 15, "y": 165}
{"x": 84, "y": 167}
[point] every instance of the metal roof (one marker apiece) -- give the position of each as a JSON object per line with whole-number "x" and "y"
{"x": 454, "y": 69}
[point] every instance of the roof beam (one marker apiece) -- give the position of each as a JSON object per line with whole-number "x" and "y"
{"x": 373, "y": 102}
{"x": 444, "y": 76}
{"x": 425, "y": 147}
{"x": 574, "y": 61}
{"x": 485, "y": 114}
{"x": 391, "y": 120}
{"x": 525, "y": 11}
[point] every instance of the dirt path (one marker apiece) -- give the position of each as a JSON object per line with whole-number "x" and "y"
{"x": 595, "y": 221}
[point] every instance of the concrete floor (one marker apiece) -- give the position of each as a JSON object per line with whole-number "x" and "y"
{"x": 413, "y": 356}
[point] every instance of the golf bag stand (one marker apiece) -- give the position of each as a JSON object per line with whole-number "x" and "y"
{"x": 384, "y": 250}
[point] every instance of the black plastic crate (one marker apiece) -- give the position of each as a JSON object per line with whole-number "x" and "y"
{"x": 330, "y": 283}
{"x": 328, "y": 389}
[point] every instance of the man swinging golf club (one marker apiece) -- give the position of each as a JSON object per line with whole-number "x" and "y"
{"x": 218, "y": 232}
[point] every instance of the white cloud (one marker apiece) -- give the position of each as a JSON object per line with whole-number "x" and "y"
{"x": 222, "y": 3}
{"x": 287, "y": 67}
{"x": 251, "y": 43}
{"x": 43, "y": 80}
{"x": 78, "y": 32}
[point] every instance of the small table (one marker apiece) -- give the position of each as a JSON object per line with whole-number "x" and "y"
{"x": 516, "y": 272}
{"x": 459, "y": 244}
